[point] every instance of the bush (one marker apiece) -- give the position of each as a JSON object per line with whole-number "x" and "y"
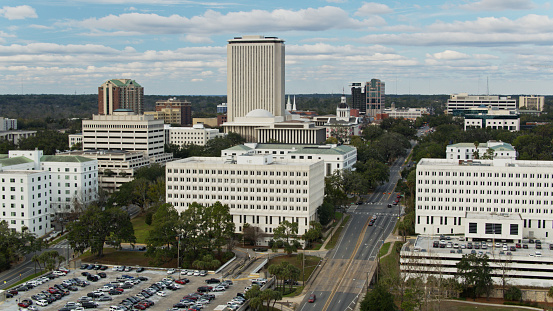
{"x": 513, "y": 293}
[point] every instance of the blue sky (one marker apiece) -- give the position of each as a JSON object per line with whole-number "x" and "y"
{"x": 178, "y": 47}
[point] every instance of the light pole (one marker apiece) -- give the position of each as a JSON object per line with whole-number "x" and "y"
{"x": 178, "y": 251}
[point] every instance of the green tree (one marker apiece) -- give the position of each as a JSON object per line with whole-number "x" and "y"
{"x": 162, "y": 238}
{"x": 325, "y": 212}
{"x": 49, "y": 141}
{"x": 513, "y": 293}
{"x": 206, "y": 262}
{"x": 314, "y": 232}
{"x": 474, "y": 273}
{"x": 15, "y": 244}
{"x": 286, "y": 230}
{"x": 378, "y": 299}
{"x": 220, "y": 226}
{"x": 140, "y": 193}
{"x": 254, "y": 295}
{"x": 269, "y": 295}
{"x": 98, "y": 226}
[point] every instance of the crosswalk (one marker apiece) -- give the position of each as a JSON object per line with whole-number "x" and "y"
{"x": 63, "y": 244}
{"x": 377, "y": 214}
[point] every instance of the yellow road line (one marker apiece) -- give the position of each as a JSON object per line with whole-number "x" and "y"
{"x": 335, "y": 289}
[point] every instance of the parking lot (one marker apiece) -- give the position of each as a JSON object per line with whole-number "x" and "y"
{"x": 161, "y": 303}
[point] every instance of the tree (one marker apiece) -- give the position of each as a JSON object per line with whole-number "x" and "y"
{"x": 254, "y": 295}
{"x": 206, "y": 262}
{"x": 378, "y": 299}
{"x": 314, "y": 232}
{"x": 269, "y": 295}
{"x": 513, "y": 293}
{"x": 325, "y": 212}
{"x": 474, "y": 274}
{"x": 156, "y": 192}
{"x": 14, "y": 244}
{"x": 220, "y": 226}
{"x": 98, "y": 226}
{"x": 550, "y": 292}
{"x": 251, "y": 233}
{"x": 140, "y": 193}
{"x": 162, "y": 238}
{"x": 286, "y": 230}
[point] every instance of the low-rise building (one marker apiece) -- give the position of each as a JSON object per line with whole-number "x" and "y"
{"x": 197, "y": 135}
{"x": 464, "y": 101}
{"x": 259, "y": 190}
{"x": 16, "y": 136}
{"x": 491, "y": 149}
{"x": 404, "y": 113}
{"x": 115, "y": 167}
{"x": 75, "y": 139}
{"x": 335, "y": 157}
{"x": 7, "y": 124}
{"x": 428, "y": 256}
{"x": 533, "y": 102}
{"x": 494, "y": 119}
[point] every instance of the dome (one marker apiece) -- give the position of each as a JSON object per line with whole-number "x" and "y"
{"x": 260, "y": 113}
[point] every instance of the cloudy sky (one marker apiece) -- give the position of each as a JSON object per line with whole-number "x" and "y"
{"x": 178, "y": 47}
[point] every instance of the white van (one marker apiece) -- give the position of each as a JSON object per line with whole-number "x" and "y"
{"x": 538, "y": 254}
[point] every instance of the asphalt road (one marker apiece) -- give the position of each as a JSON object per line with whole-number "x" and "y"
{"x": 348, "y": 266}
{"x": 27, "y": 267}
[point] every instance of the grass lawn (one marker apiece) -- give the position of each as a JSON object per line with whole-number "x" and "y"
{"x": 384, "y": 249}
{"x": 127, "y": 258}
{"x": 310, "y": 263}
{"x": 336, "y": 235}
{"x": 460, "y": 306}
{"x": 141, "y": 229}
{"x": 338, "y": 216}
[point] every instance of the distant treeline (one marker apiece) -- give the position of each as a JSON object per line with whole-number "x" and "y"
{"x": 30, "y": 108}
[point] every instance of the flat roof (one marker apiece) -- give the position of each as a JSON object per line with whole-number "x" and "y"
{"x": 493, "y": 163}
{"x": 493, "y": 216}
{"x": 424, "y": 242}
{"x": 223, "y": 160}
{"x": 15, "y": 161}
{"x": 64, "y": 158}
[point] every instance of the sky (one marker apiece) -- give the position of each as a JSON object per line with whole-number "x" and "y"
{"x": 178, "y": 47}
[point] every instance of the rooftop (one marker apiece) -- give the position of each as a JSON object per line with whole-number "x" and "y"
{"x": 298, "y": 149}
{"x": 64, "y": 158}
{"x": 14, "y": 161}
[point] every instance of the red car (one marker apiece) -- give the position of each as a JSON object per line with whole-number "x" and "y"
{"x": 180, "y": 282}
{"x": 312, "y": 298}
{"x": 399, "y": 196}
{"x": 139, "y": 307}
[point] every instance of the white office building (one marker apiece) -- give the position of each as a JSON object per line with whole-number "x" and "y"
{"x": 494, "y": 119}
{"x": 255, "y": 76}
{"x": 466, "y": 151}
{"x": 75, "y": 139}
{"x": 259, "y": 190}
{"x": 404, "y": 113}
{"x": 335, "y": 157}
{"x": 501, "y": 198}
{"x": 464, "y": 101}
{"x": 74, "y": 180}
{"x": 35, "y": 186}
{"x": 125, "y": 130}
{"x": 198, "y": 134}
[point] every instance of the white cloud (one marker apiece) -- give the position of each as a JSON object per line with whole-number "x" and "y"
{"x": 197, "y": 39}
{"x": 448, "y": 54}
{"x": 196, "y": 80}
{"x": 212, "y": 22}
{"x": 18, "y": 12}
{"x": 373, "y": 8}
{"x": 498, "y": 5}
{"x": 336, "y": 1}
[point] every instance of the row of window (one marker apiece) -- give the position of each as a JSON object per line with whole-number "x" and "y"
{"x": 239, "y": 189}
{"x": 238, "y": 172}
{"x": 486, "y": 209}
{"x": 484, "y": 201}
{"x": 482, "y": 183}
{"x": 233, "y": 198}
{"x": 484, "y": 174}
{"x": 238, "y": 181}
{"x": 252, "y": 206}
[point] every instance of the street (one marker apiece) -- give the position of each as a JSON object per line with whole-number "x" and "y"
{"x": 347, "y": 267}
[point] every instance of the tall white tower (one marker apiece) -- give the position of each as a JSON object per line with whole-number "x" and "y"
{"x": 255, "y": 75}
{"x": 343, "y": 112}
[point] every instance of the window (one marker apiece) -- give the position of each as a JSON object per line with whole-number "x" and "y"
{"x": 473, "y": 227}
{"x": 493, "y": 228}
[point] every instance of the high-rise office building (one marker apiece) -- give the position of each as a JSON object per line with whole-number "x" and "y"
{"x": 375, "y": 91}
{"x": 120, "y": 94}
{"x": 255, "y": 75}
{"x": 182, "y": 105}
{"x": 358, "y": 97}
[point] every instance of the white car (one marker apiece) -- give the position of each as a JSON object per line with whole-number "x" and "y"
{"x": 219, "y": 289}
{"x": 42, "y": 303}
{"x": 190, "y": 272}
{"x": 171, "y": 271}
{"x": 184, "y": 272}
{"x": 197, "y": 273}
{"x": 161, "y": 293}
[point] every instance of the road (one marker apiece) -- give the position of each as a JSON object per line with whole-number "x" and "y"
{"x": 27, "y": 267}
{"x": 347, "y": 267}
